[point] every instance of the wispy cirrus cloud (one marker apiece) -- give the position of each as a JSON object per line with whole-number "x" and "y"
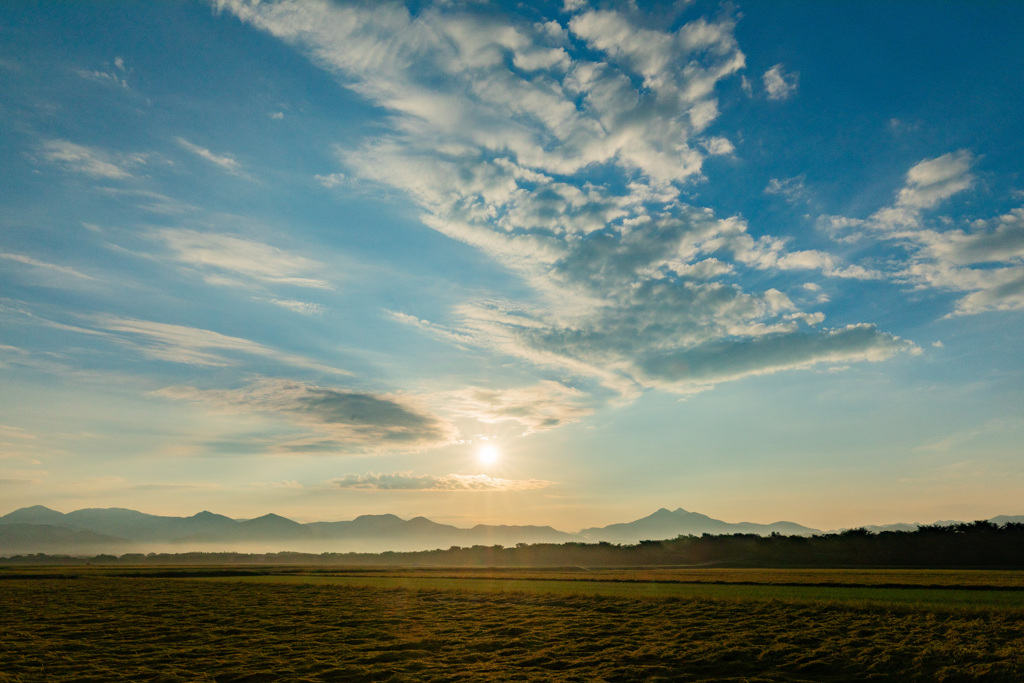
{"x": 20, "y": 445}
{"x": 303, "y": 307}
{"x": 151, "y": 201}
{"x": 9, "y": 432}
{"x": 14, "y": 477}
{"x": 407, "y": 481}
{"x": 45, "y": 265}
{"x": 793, "y": 190}
{"x": 178, "y": 486}
{"x": 90, "y": 161}
{"x": 332, "y": 180}
{"x": 233, "y": 259}
{"x": 224, "y": 161}
{"x": 193, "y": 345}
{"x": 542, "y": 406}
{"x": 111, "y": 76}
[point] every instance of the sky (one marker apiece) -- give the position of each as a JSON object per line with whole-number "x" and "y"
{"x": 516, "y": 263}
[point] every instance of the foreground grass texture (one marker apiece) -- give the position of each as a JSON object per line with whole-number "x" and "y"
{"x": 107, "y": 628}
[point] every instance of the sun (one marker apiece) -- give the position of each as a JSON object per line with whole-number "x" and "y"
{"x": 488, "y": 454}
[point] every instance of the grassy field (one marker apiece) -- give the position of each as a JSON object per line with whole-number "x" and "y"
{"x": 567, "y": 625}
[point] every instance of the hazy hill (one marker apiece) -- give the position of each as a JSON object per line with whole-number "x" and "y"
{"x": 43, "y": 530}
{"x": 363, "y": 525}
{"x": 24, "y": 539}
{"x": 373, "y": 526}
{"x": 999, "y": 520}
{"x": 267, "y": 527}
{"x": 665, "y": 524}
{"x": 510, "y": 535}
{"x": 1003, "y": 519}
{"x": 139, "y": 526}
{"x": 423, "y": 532}
{"x": 898, "y": 526}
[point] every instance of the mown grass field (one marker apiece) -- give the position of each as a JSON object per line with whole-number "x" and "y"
{"x": 302, "y": 624}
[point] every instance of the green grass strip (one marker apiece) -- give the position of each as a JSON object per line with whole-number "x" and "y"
{"x": 910, "y": 597}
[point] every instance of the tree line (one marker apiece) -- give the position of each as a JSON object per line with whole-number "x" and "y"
{"x": 980, "y": 544}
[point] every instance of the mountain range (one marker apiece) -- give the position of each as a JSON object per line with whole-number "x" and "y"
{"x": 117, "y": 530}
{"x": 39, "y": 529}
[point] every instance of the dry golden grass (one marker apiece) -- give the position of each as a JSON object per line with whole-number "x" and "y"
{"x": 107, "y": 628}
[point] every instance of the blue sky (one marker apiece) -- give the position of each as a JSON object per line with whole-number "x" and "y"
{"x": 763, "y": 261}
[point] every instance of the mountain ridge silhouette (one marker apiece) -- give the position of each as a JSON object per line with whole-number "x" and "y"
{"x": 38, "y": 528}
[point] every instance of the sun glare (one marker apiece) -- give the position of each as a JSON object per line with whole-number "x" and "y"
{"x": 488, "y": 455}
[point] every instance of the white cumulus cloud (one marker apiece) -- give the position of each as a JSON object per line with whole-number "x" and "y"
{"x": 984, "y": 260}
{"x": 506, "y": 133}
{"x": 778, "y": 84}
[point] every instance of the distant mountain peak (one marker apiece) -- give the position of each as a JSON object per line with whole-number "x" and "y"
{"x": 206, "y": 514}
{"x": 386, "y": 517}
{"x": 35, "y": 514}
{"x": 664, "y": 524}
{"x": 271, "y": 517}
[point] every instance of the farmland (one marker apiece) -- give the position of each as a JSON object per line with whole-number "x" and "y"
{"x": 315, "y": 624}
